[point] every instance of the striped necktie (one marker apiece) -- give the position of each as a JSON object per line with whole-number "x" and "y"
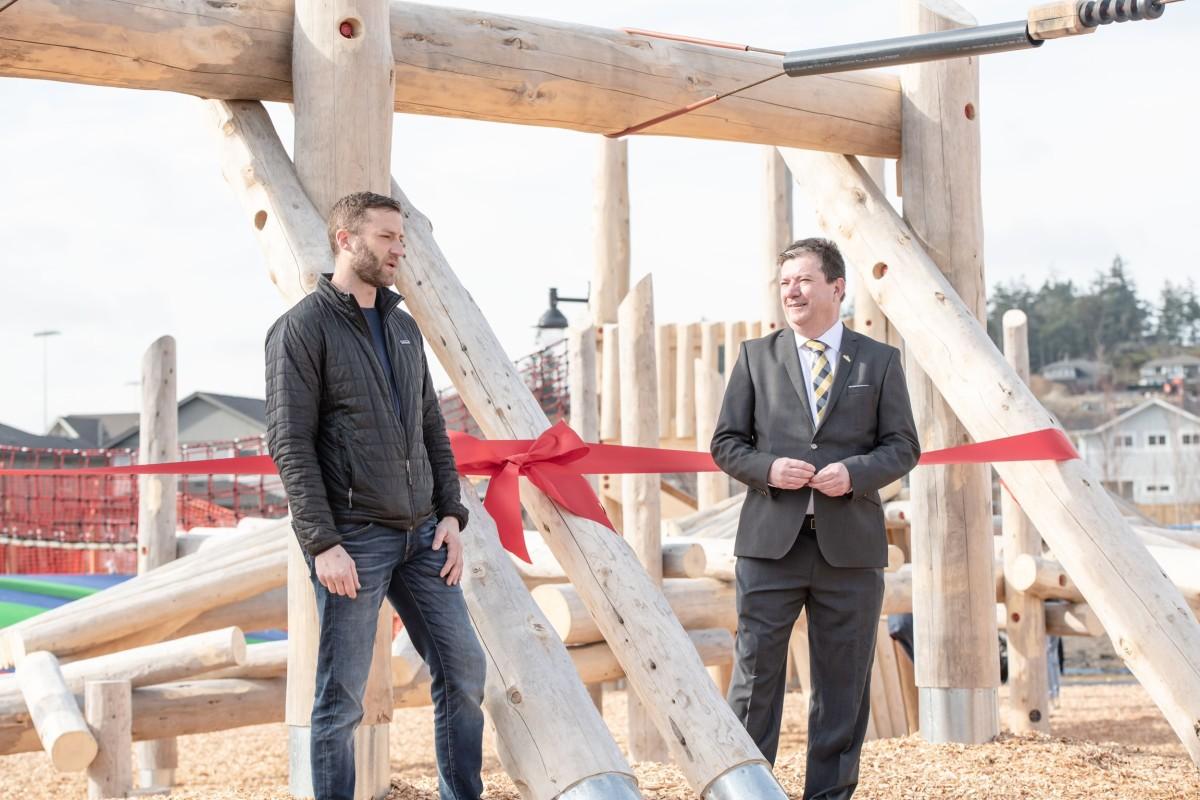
{"x": 822, "y": 376}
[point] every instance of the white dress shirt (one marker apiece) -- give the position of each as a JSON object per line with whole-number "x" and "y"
{"x": 832, "y": 340}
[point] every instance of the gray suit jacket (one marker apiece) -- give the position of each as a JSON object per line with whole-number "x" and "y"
{"x": 868, "y": 426}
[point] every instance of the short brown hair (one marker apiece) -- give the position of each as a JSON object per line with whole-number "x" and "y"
{"x": 350, "y": 212}
{"x": 832, "y": 265}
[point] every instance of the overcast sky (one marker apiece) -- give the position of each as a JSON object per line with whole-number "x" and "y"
{"x": 116, "y": 226}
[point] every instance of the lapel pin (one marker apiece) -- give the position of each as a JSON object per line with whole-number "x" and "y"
{"x": 846, "y": 357}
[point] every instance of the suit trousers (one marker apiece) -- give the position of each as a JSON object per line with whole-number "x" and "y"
{"x": 843, "y": 607}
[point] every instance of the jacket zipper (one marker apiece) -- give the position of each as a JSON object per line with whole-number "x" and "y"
{"x": 391, "y": 406}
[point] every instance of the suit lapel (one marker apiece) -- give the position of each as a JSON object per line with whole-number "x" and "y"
{"x": 785, "y": 351}
{"x": 841, "y": 377}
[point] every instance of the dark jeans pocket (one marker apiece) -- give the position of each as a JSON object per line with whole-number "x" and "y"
{"x": 348, "y": 529}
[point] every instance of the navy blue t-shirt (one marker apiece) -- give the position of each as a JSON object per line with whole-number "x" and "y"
{"x": 380, "y": 343}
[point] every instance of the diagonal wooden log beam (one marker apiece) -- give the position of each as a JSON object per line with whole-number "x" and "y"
{"x": 717, "y": 756}
{"x": 1144, "y": 613}
{"x": 457, "y": 63}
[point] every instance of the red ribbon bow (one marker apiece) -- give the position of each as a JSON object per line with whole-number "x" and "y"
{"x": 544, "y": 461}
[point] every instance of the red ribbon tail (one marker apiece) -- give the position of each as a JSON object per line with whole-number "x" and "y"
{"x": 503, "y": 502}
{"x": 570, "y": 490}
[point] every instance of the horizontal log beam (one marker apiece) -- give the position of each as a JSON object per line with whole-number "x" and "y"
{"x": 457, "y": 63}
{"x": 215, "y": 704}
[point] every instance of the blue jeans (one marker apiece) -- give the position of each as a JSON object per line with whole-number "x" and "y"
{"x": 403, "y": 566}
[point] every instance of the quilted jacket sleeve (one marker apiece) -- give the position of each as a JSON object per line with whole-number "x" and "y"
{"x": 293, "y": 407}
{"x": 446, "y": 497}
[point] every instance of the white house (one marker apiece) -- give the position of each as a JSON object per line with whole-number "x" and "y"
{"x": 1163, "y": 370}
{"x": 1150, "y": 454}
{"x": 1077, "y": 373}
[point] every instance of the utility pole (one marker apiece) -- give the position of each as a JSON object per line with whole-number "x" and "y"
{"x": 45, "y": 337}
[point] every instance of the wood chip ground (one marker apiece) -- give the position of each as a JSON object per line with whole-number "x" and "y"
{"x": 1109, "y": 741}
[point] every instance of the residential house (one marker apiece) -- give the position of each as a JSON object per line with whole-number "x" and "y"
{"x": 92, "y": 431}
{"x": 210, "y": 417}
{"x": 1079, "y": 375}
{"x": 1149, "y": 455}
{"x": 1159, "y": 371}
{"x": 15, "y": 437}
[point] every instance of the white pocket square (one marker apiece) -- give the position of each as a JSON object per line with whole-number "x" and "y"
{"x": 860, "y": 386}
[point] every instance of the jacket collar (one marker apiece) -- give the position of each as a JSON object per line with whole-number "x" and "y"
{"x": 787, "y": 352}
{"x": 385, "y": 300}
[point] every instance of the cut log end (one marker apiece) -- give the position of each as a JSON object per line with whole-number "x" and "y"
{"x": 73, "y": 751}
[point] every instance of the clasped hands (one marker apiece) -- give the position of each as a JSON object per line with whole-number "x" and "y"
{"x": 337, "y": 573}
{"x": 832, "y": 480}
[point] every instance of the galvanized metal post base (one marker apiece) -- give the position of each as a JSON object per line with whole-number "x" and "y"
{"x": 962, "y": 716}
{"x": 155, "y": 781}
{"x": 156, "y": 760}
{"x": 748, "y": 782}
{"x": 373, "y": 778}
{"x": 608, "y": 786}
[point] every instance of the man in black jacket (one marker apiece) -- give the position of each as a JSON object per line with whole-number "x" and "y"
{"x": 354, "y": 426}
{"x": 816, "y": 419}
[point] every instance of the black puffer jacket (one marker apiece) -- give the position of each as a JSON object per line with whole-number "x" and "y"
{"x": 332, "y": 430}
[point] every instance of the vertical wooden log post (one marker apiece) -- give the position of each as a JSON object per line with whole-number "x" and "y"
{"x": 712, "y": 749}
{"x": 344, "y": 84}
{"x": 158, "y": 442}
{"x": 954, "y": 603}
{"x": 581, "y": 378}
{"x": 642, "y": 526}
{"x": 610, "y": 414}
{"x": 610, "y": 269}
{"x": 585, "y": 416}
{"x": 777, "y": 236}
{"x": 664, "y": 355}
{"x": 549, "y": 736}
{"x": 610, "y": 283}
{"x": 108, "y": 709}
{"x": 1028, "y": 682}
{"x": 686, "y": 334}
{"x": 711, "y": 487}
{"x": 735, "y": 334}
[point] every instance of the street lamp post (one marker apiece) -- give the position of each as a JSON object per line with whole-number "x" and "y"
{"x": 553, "y": 322}
{"x": 45, "y": 337}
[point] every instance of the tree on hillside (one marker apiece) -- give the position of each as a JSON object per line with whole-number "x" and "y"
{"x": 1117, "y": 317}
{"x": 1178, "y": 318}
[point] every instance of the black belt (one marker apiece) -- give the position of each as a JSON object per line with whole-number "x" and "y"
{"x": 810, "y": 524}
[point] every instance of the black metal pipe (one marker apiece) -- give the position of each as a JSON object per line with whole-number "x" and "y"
{"x": 977, "y": 40}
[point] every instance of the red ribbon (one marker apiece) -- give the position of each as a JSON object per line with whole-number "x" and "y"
{"x": 556, "y": 462}
{"x": 1048, "y": 444}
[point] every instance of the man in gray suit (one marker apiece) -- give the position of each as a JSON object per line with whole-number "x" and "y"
{"x": 816, "y": 419}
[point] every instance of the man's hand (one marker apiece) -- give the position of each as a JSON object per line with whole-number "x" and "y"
{"x": 790, "y": 473}
{"x": 337, "y": 573}
{"x": 833, "y": 480}
{"x": 447, "y": 533}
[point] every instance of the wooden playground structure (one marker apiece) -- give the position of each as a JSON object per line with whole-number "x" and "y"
{"x": 163, "y": 654}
